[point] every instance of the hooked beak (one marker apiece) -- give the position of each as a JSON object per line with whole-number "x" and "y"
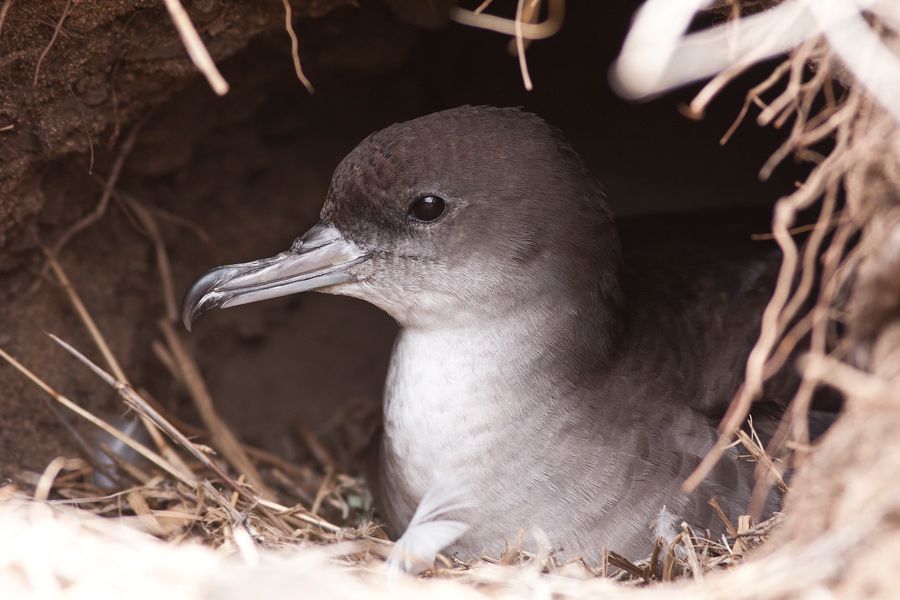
{"x": 319, "y": 259}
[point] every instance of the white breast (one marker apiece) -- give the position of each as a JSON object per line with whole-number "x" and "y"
{"x": 443, "y": 404}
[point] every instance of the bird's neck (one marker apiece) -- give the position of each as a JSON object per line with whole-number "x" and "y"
{"x": 553, "y": 337}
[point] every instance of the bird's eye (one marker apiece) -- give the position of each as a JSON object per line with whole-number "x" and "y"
{"x": 427, "y": 208}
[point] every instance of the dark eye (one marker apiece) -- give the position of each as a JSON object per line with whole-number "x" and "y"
{"x": 427, "y": 208}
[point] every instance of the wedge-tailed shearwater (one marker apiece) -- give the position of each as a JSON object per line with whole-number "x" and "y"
{"x": 568, "y": 384}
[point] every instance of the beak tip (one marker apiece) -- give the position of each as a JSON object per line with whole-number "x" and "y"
{"x": 195, "y": 299}
{"x": 188, "y": 314}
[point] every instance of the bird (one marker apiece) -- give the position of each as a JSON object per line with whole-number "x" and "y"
{"x": 567, "y": 370}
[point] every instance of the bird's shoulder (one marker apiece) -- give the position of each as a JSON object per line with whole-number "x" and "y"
{"x": 695, "y": 287}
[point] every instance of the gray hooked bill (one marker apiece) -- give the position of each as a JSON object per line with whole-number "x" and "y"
{"x": 320, "y": 258}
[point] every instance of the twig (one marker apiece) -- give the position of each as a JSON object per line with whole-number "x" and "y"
{"x": 135, "y": 401}
{"x": 688, "y": 543}
{"x": 771, "y": 331}
{"x": 142, "y": 510}
{"x": 620, "y": 562}
{"x": 324, "y": 489}
{"x": 482, "y": 7}
{"x": 729, "y": 527}
{"x": 138, "y": 447}
{"x": 195, "y": 48}
{"x": 4, "y": 11}
{"x": 295, "y": 53}
{"x": 753, "y": 97}
{"x": 197, "y": 229}
{"x": 108, "y": 355}
{"x": 99, "y": 210}
{"x": 530, "y": 31}
{"x": 222, "y": 436}
{"x": 45, "y": 483}
{"x": 520, "y": 47}
{"x": 760, "y": 455}
{"x": 745, "y": 524}
{"x": 56, "y": 30}
{"x": 86, "y": 318}
{"x": 863, "y": 388}
{"x": 148, "y": 221}
{"x": 127, "y": 199}
{"x": 322, "y": 455}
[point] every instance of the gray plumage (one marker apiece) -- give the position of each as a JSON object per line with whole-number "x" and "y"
{"x": 570, "y": 380}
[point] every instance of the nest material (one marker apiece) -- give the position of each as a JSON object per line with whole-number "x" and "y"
{"x": 839, "y": 532}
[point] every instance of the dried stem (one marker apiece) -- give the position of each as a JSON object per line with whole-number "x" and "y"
{"x": 222, "y": 436}
{"x": 295, "y": 53}
{"x": 56, "y": 30}
{"x": 195, "y": 47}
{"x": 147, "y": 453}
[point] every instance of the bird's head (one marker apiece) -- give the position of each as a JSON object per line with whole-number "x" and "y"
{"x": 451, "y": 216}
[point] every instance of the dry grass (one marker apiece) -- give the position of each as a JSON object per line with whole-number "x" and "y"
{"x": 819, "y": 114}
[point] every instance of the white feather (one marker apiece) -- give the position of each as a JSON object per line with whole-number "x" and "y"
{"x": 426, "y": 535}
{"x": 665, "y": 526}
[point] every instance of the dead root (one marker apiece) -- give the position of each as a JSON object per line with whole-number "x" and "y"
{"x": 831, "y": 129}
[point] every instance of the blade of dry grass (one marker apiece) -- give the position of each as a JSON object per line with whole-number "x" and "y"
{"x": 139, "y": 505}
{"x": 149, "y": 223}
{"x": 138, "y": 447}
{"x": 57, "y": 465}
{"x": 222, "y": 436}
{"x": 100, "y": 341}
{"x": 729, "y": 526}
{"x": 141, "y": 406}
